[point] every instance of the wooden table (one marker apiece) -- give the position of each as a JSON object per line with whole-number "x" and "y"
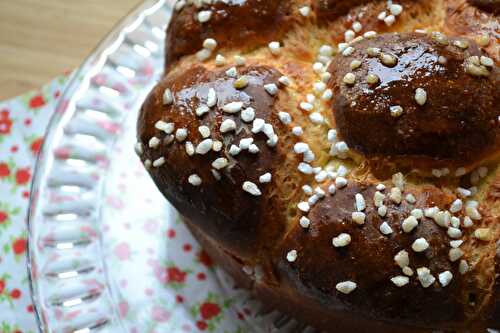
{"x": 40, "y": 39}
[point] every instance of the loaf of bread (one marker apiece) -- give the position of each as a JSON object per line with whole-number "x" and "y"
{"x": 339, "y": 158}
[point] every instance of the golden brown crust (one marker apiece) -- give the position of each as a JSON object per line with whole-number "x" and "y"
{"x": 417, "y": 14}
{"x": 227, "y": 213}
{"x": 493, "y": 318}
{"x": 492, "y": 199}
{"x": 327, "y": 10}
{"x": 244, "y": 25}
{"x": 488, "y": 5}
{"x": 369, "y": 260}
{"x": 330, "y": 11}
{"x": 469, "y": 21}
{"x": 435, "y": 129}
{"x": 292, "y": 263}
{"x": 283, "y": 296}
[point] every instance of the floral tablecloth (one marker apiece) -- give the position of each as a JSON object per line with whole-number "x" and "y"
{"x": 22, "y": 125}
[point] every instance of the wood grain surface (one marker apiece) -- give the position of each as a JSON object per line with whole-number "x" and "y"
{"x": 40, "y": 39}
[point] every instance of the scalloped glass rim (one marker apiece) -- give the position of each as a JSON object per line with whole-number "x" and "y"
{"x": 75, "y": 85}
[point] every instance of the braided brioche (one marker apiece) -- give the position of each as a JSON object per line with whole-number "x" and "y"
{"x": 340, "y": 159}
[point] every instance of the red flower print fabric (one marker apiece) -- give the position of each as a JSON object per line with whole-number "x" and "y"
{"x": 22, "y": 125}
{"x": 5, "y": 123}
